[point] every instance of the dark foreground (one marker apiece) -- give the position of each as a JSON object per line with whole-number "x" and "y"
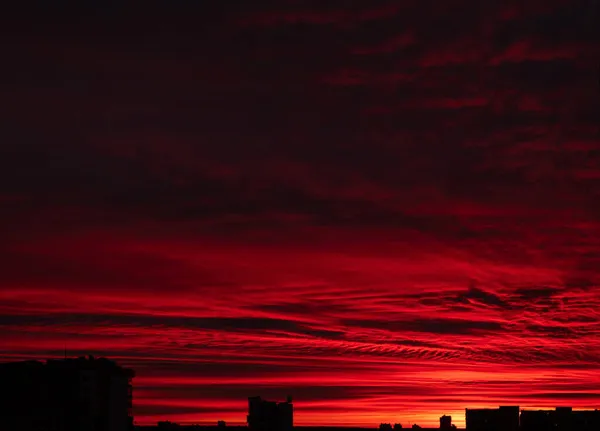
{"x": 244, "y": 428}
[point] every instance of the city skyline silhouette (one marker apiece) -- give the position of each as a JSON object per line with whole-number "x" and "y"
{"x": 388, "y": 209}
{"x": 97, "y": 394}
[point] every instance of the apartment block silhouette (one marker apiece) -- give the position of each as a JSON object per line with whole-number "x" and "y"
{"x": 270, "y": 415}
{"x": 510, "y": 418}
{"x": 66, "y": 395}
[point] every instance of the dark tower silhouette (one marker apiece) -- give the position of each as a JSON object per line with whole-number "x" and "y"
{"x": 66, "y": 395}
{"x": 270, "y": 415}
{"x": 445, "y": 422}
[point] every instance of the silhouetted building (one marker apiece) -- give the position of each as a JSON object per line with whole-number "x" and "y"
{"x": 480, "y": 419}
{"x": 504, "y": 418}
{"x": 66, "y": 395}
{"x": 167, "y": 426}
{"x": 445, "y": 422}
{"x": 536, "y": 420}
{"x": 270, "y": 415}
{"x": 388, "y": 427}
{"x": 509, "y": 418}
{"x": 560, "y": 419}
{"x": 585, "y": 420}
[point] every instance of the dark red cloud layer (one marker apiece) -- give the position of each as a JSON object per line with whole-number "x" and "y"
{"x": 390, "y": 210}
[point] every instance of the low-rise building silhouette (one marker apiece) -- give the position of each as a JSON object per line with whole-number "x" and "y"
{"x": 585, "y": 420}
{"x": 508, "y": 418}
{"x": 446, "y": 422}
{"x": 560, "y": 419}
{"x": 270, "y": 415}
{"x": 388, "y": 427}
{"x": 66, "y": 395}
{"x": 504, "y": 418}
{"x": 539, "y": 420}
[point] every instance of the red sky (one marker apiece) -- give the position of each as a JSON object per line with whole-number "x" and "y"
{"x": 389, "y": 210}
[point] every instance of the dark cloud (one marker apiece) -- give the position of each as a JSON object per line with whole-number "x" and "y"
{"x": 553, "y": 331}
{"x": 481, "y": 296}
{"x": 533, "y": 293}
{"x": 447, "y": 326}
{"x": 234, "y": 324}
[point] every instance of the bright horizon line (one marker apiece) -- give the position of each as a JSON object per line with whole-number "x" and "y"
{"x": 423, "y": 420}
